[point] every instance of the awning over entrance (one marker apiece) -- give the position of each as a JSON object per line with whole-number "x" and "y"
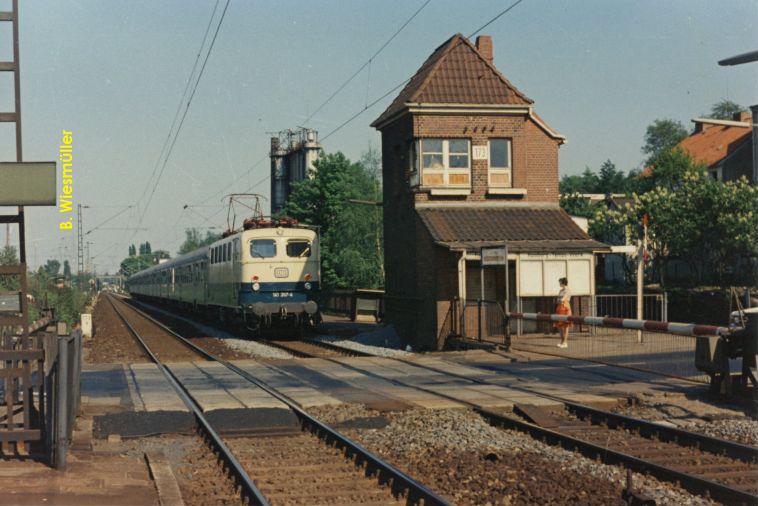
{"x": 525, "y": 229}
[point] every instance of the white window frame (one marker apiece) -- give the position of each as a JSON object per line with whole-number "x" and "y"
{"x": 500, "y": 170}
{"x": 417, "y": 163}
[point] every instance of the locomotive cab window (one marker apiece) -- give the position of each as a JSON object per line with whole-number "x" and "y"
{"x": 298, "y": 248}
{"x": 262, "y": 248}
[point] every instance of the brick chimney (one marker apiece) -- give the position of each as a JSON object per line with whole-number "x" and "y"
{"x": 743, "y": 116}
{"x": 484, "y": 46}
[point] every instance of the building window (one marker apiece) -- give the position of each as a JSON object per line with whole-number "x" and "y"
{"x": 445, "y": 162}
{"x": 715, "y": 174}
{"x": 500, "y": 163}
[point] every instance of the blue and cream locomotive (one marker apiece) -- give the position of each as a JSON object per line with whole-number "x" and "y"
{"x": 266, "y": 274}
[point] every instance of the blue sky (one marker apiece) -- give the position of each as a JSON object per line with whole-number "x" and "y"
{"x": 113, "y": 73}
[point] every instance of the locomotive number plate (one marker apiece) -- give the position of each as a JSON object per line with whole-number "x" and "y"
{"x": 281, "y": 272}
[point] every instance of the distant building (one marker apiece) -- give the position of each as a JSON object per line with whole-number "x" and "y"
{"x": 726, "y": 147}
{"x": 467, "y": 163}
{"x": 292, "y": 155}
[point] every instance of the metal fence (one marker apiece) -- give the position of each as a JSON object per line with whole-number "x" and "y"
{"x": 658, "y": 352}
{"x": 479, "y": 320}
{"x": 654, "y": 306}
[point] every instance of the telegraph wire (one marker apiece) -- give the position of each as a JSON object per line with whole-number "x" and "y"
{"x": 367, "y": 63}
{"x": 488, "y": 23}
{"x": 171, "y": 143}
{"x": 365, "y": 108}
{"x": 335, "y": 93}
{"x": 126, "y": 208}
{"x": 181, "y": 101}
{"x": 186, "y": 110}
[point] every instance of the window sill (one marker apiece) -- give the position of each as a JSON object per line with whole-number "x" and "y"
{"x": 447, "y": 191}
{"x": 507, "y": 191}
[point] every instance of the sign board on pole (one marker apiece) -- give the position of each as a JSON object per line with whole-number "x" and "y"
{"x": 27, "y": 184}
{"x": 493, "y": 256}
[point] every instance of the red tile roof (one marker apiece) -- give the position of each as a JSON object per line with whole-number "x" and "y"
{"x": 716, "y": 141}
{"x": 525, "y": 229}
{"x": 456, "y": 73}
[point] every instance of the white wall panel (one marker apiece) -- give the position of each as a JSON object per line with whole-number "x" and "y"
{"x": 579, "y": 277}
{"x": 554, "y": 270}
{"x": 531, "y": 278}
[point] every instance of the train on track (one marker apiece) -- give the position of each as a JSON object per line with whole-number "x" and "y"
{"x": 266, "y": 275}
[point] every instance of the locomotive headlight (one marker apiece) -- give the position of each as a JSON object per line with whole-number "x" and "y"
{"x": 256, "y": 286}
{"x": 307, "y": 286}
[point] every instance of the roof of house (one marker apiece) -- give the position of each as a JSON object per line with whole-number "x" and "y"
{"x": 717, "y": 140}
{"x": 525, "y": 229}
{"x": 456, "y": 73}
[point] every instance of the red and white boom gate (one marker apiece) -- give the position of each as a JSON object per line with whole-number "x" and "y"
{"x": 714, "y": 346}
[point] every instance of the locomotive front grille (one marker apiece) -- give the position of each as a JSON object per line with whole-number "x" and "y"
{"x": 281, "y": 272}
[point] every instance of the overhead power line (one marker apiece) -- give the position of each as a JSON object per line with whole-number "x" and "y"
{"x": 368, "y": 62}
{"x": 334, "y": 94}
{"x": 383, "y": 96}
{"x": 498, "y": 16}
{"x": 126, "y": 208}
{"x": 186, "y": 110}
{"x": 365, "y": 108}
{"x": 181, "y": 102}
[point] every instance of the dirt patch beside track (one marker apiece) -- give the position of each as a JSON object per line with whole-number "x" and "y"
{"x": 111, "y": 341}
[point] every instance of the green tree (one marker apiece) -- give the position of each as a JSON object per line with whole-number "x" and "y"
{"x": 709, "y": 224}
{"x": 8, "y": 256}
{"x": 348, "y": 231}
{"x": 611, "y": 180}
{"x": 662, "y": 135}
{"x": 133, "y": 264}
{"x": 725, "y": 109}
{"x": 158, "y": 255}
{"x": 132, "y": 250}
{"x": 576, "y": 205}
{"x": 667, "y": 170}
{"x": 148, "y": 248}
{"x": 66, "y": 269}
{"x": 193, "y": 240}
{"x": 52, "y": 267}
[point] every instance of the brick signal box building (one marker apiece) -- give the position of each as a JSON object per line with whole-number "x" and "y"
{"x": 467, "y": 164}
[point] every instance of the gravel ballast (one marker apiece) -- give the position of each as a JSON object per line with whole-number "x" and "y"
{"x": 381, "y": 342}
{"x": 697, "y": 414}
{"x": 457, "y": 453}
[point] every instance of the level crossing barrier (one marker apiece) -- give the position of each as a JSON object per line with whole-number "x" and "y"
{"x": 659, "y": 347}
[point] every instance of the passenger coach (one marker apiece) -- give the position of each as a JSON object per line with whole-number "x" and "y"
{"x": 267, "y": 274}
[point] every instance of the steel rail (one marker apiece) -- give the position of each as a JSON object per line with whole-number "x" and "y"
{"x": 682, "y": 437}
{"x": 690, "y": 482}
{"x": 717, "y": 491}
{"x": 247, "y": 485}
{"x": 400, "y": 482}
{"x": 694, "y": 484}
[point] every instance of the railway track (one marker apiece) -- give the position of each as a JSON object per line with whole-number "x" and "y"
{"x": 315, "y": 466}
{"x": 723, "y": 470}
